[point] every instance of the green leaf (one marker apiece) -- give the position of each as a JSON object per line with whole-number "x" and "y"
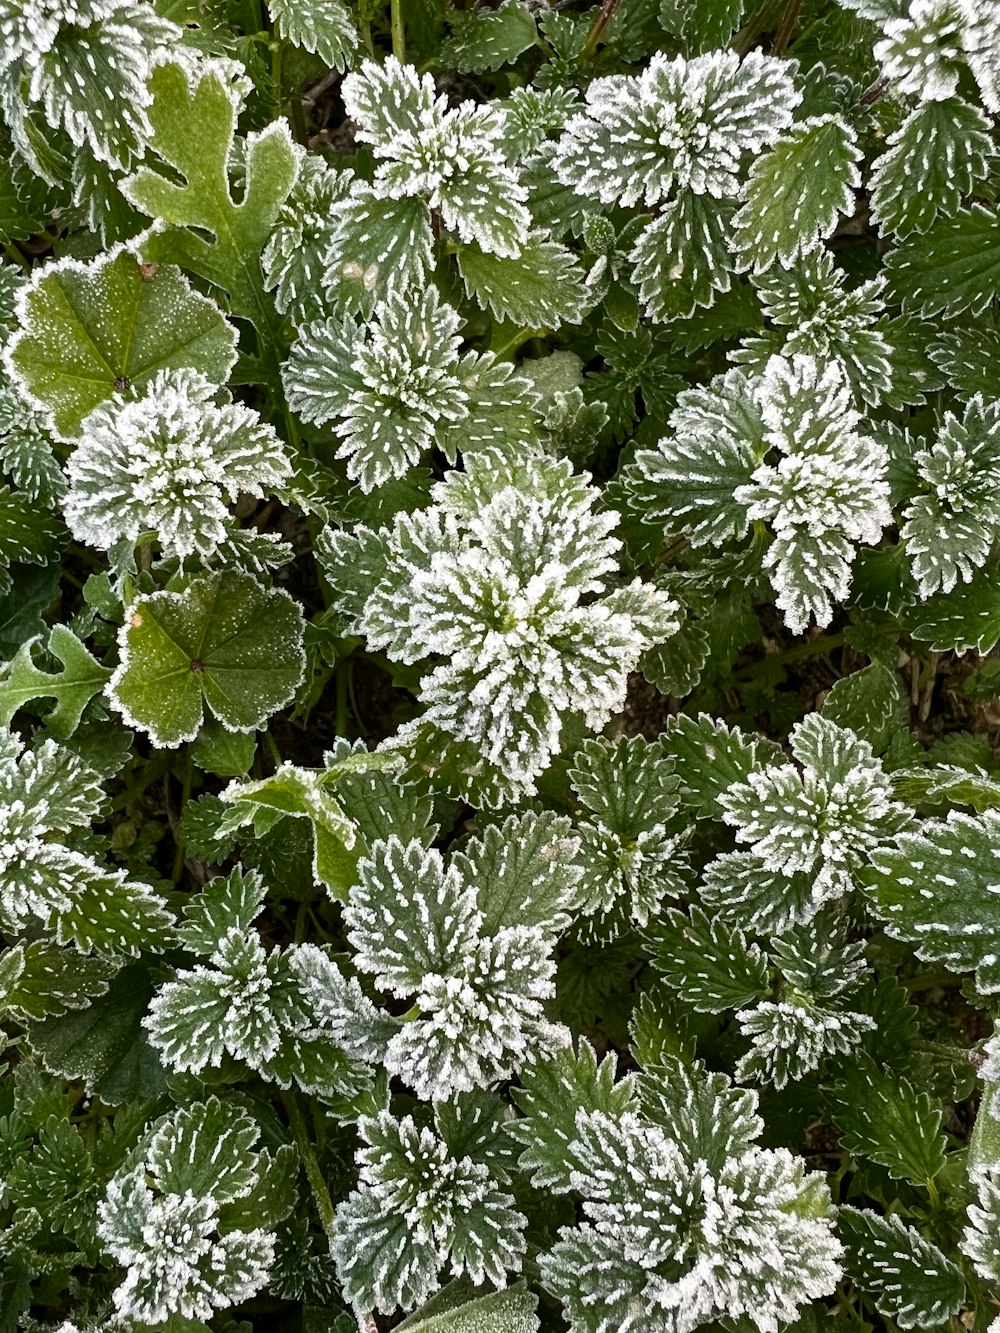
{"x": 205, "y": 1149}
{"x": 871, "y": 703}
{"x": 701, "y": 25}
{"x": 966, "y": 617}
{"x": 795, "y": 193}
{"x": 542, "y": 288}
{"x": 193, "y": 115}
{"x": 224, "y": 641}
{"x": 683, "y": 258}
{"x": 40, "y": 980}
{"x": 553, "y": 1091}
{"x": 711, "y": 1119}
{"x": 675, "y": 667}
{"x": 228, "y": 754}
{"x": 484, "y": 40}
{"x": 947, "y": 786}
{"x": 91, "y": 329}
{"x": 952, "y": 268}
{"x": 933, "y": 161}
{"x": 523, "y": 872}
{"x": 968, "y": 357}
{"x": 509, "y": 1311}
{"x": 103, "y": 1045}
{"x": 29, "y": 534}
{"x": 909, "y": 1279}
{"x": 72, "y": 688}
{"x": 709, "y": 962}
{"x": 324, "y": 27}
{"x": 937, "y": 890}
{"x": 881, "y": 1116}
{"x": 711, "y": 757}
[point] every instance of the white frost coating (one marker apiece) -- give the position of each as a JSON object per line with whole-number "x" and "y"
{"x": 84, "y": 63}
{"x": 673, "y": 1243}
{"x": 680, "y": 125}
{"x": 494, "y": 575}
{"x": 923, "y": 52}
{"x": 789, "y": 1040}
{"x": 452, "y": 158}
{"x": 169, "y": 463}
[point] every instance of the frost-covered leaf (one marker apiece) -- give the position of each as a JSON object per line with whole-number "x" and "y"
{"x": 935, "y": 889}
{"x": 324, "y": 27}
{"x": 966, "y": 617}
{"x": 795, "y": 192}
{"x": 170, "y": 462}
{"x": 457, "y": 1309}
{"x": 90, "y": 329}
{"x": 81, "y": 677}
{"x": 701, "y": 25}
{"x": 524, "y": 872}
{"x": 881, "y": 1116}
{"x": 552, "y": 1091}
{"x": 226, "y": 902}
{"x": 541, "y": 286}
{"x": 84, "y": 66}
{"x": 709, "y": 962}
{"x": 711, "y": 756}
{"x": 29, "y": 534}
{"x": 295, "y": 256}
{"x": 681, "y": 124}
{"x": 682, "y": 259}
{"x": 193, "y": 117}
{"x": 487, "y": 39}
{"x": 907, "y": 1276}
{"x": 376, "y": 245}
{"x": 790, "y": 1038}
{"x": 967, "y": 357}
{"x": 452, "y": 158}
{"x": 716, "y": 440}
{"x": 871, "y": 703}
{"x": 224, "y": 641}
{"x": 952, "y": 268}
{"x": 39, "y": 980}
{"x": 931, "y": 164}
{"x": 205, "y": 1149}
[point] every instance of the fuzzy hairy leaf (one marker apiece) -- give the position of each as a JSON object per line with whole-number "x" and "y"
{"x": 709, "y": 962}
{"x": 952, "y": 268}
{"x": 487, "y": 39}
{"x": 81, "y": 677}
{"x": 542, "y": 287}
{"x": 224, "y": 642}
{"x": 881, "y": 1116}
{"x": 324, "y": 27}
{"x": 710, "y": 756}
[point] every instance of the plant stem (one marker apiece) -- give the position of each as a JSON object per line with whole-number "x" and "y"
{"x": 785, "y": 28}
{"x": 396, "y": 28}
{"x": 340, "y": 721}
{"x": 767, "y": 17}
{"x": 824, "y": 643}
{"x": 272, "y": 749}
{"x": 600, "y": 25}
{"x": 178, "y": 869}
{"x": 300, "y": 1135}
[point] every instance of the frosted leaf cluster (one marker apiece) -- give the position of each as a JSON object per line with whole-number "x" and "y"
{"x": 253, "y": 1006}
{"x": 784, "y": 447}
{"x": 471, "y": 941}
{"x": 505, "y": 578}
{"x": 981, "y": 1238}
{"x": 420, "y": 1206}
{"x": 951, "y": 528}
{"x": 162, "y": 1219}
{"x": 681, "y": 125}
{"x": 46, "y": 795}
{"x": 673, "y": 1241}
{"x": 170, "y": 463}
{"x": 398, "y": 386}
{"x": 923, "y": 51}
{"x": 809, "y": 826}
{"x": 631, "y": 858}
{"x": 452, "y": 158}
{"x": 83, "y": 64}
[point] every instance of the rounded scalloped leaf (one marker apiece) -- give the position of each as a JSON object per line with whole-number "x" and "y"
{"x": 89, "y": 330}
{"x": 223, "y": 641}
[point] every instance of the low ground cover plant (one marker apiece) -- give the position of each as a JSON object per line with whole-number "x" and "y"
{"x": 499, "y": 589}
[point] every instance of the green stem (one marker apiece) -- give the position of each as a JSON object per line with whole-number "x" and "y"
{"x": 365, "y": 29}
{"x": 506, "y": 350}
{"x": 340, "y": 722}
{"x": 600, "y": 25}
{"x": 151, "y": 773}
{"x": 931, "y": 981}
{"x": 825, "y": 643}
{"x": 178, "y": 870}
{"x": 13, "y": 253}
{"x": 272, "y": 749}
{"x": 300, "y": 1135}
{"x": 396, "y": 28}
{"x": 768, "y": 16}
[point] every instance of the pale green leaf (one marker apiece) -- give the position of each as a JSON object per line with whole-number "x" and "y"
{"x": 91, "y": 329}
{"x": 72, "y": 688}
{"x": 457, "y": 1309}
{"x": 324, "y": 27}
{"x": 193, "y": 115}
{"x": 224, "y": 641}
